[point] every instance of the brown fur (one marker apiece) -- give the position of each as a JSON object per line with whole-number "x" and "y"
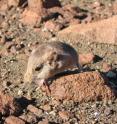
{"x": 54, "y": 57}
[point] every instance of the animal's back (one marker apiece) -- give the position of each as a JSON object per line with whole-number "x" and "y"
{"x": 45, "y": 49}
{"x": 57, "y": 56}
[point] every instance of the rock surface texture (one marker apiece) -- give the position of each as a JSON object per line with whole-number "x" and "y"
{"x": 87, "y": 86}
{"x": 104, "y": 31}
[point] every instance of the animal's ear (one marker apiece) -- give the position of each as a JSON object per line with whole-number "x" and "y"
{"x": 54, "y": 56}
{"x": 51, "y": 56}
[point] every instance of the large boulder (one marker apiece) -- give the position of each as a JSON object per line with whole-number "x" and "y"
{"x": 104, "y": 31}
{"x": 82, "y": 87}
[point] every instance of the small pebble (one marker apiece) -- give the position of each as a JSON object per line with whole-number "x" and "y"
{"x": 3, "y": 40}
{"x": 34, "y": 110}
{"x": 64, "y": 115}
{"x": 46, "y": 107}
{"x": 13, "y": 120}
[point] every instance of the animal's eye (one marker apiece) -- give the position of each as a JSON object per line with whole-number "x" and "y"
{"x": 38, "y": 67}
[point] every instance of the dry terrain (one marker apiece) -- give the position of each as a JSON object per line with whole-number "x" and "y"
{"x": 76, "y": 98}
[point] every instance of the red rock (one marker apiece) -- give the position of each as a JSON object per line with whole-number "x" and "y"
{"x": 29, "y": 118}
{"x": 86, "y": 58}
{"x": 23, "y": 117}
{"x": 35, "y": 6}
{"x": 33, "y": 14}
{"x": 64, "y": 115}
{"x": 30, "y": 17}
{"x": 13, "y": 120}
{"x": 106, "y": 67}
{"x": 46, "y": 107}
{"x": 82, "y": 87}
{"x": 103, "y": 31}
{"x": 8, "y": 105}
{"x": 34, "y": 110}
{"x": 52, "y": 26}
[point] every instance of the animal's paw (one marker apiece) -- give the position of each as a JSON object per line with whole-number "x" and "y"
{"x": 43, "y": 84}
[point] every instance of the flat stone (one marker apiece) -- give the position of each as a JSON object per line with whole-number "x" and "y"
{"x": 104, "y": 31}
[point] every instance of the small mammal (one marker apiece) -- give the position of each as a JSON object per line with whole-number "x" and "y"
{"x": 51, "y": 58}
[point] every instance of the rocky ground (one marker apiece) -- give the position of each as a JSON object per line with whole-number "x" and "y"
{"x": 76, "y": 98}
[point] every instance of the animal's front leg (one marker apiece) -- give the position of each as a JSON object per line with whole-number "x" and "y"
{"x": 43, "y": 82}
{"x": 44, "y": 75}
